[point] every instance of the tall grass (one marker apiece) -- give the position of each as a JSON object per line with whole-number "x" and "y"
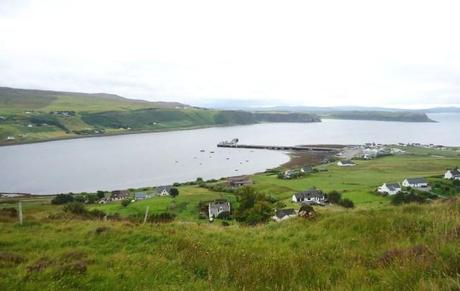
{"x": 414, "y": 247}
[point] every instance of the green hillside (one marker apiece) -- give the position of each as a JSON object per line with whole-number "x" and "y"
{"x": 37, "y": 115}
{"x": 374, "y": 246}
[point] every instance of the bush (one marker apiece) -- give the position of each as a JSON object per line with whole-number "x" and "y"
{"x": 402, "y": 198}
{"x": 75, "y": 208}
{"x": 62, "y": 199}
{"x": 161, "y": 217}
{"x": 225, "y": 215}
{"x": 347, "y": 203}
{"x": 79, "y": 209}
{"x": 100, "y": 194}
{"x": 174, "y": 192}
{"x": 125, "y": 202}
{"x": 334, "y": 197}
{"x": 96, "y": 213}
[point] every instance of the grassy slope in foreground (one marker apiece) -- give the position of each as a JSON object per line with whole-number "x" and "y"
{"x": 35, "y": 115}
{"x": 375, "y": 246}
{"x": 394, "y": 248}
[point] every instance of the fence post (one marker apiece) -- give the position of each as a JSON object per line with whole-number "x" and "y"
{"x": 146, "y": 214}
{"x": 20, "y": 212}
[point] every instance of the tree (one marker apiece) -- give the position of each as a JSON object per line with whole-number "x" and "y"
{"x": 334, "y": 197}
{"x": 100, "y": 194}
{"x": 174, "y": 192}
{"x": 253, "y": 207}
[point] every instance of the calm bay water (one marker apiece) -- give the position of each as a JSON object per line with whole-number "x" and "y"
{"x": 119, "y": 162}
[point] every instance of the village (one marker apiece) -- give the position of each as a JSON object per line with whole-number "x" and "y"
{"x": 304, "y": 201}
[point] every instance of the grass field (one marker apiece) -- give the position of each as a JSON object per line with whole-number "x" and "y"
{"x": 393, "y": 248}
{"x": 374, "y": 246}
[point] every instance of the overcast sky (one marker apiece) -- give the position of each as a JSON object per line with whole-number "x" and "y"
{"x": 372, "y": 53}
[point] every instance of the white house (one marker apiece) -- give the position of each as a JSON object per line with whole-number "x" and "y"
{"x": 390, "y": 188}
{"x": 346, "y": 163}
{"x": 415, "y": 182}
{"x": 312, "y": 196}
{"x": 283, "y": 214}
{"x": 452, "y": 174}
{"x": 163, "y": 190}
{"x": 216, "y": 208}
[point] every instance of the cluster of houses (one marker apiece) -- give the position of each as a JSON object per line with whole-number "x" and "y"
{"x": 395, "y": 188}
{"x": 312, "y": 196}
{"x": 294, "y": 173}
{"x": 415, "y": 183}
{"x": 118, "y": 195}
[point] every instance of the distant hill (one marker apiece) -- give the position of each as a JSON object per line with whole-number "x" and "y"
{"x": 12, "y": 99}
{"x": 319, "y": 109}
{"x": 404, "y": 116}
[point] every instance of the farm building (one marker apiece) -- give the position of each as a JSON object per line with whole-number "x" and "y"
{"x": 312, "y": 196}
{"x": 452, "y": 174}
{"x": 239, "y": 181}
{"x": 390, "y": 188}
{"x": 216, "y": 208}
{"x": 415, "y": 182}
{"x": 346, "y": 163}
{"x": 283, "y": 214}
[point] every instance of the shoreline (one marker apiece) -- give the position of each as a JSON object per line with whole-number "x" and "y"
{"x": 185, "y": 128}
{"x": 121, "y": 133}
{"x": 296, "y": 159}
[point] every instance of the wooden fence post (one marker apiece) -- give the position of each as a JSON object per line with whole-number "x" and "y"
{"x": 146, "y": 214}
{"x": 20, "y": 212}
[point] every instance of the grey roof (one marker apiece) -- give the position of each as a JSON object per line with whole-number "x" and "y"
{"x": 416, "y": 180}
{"x": 280, "y": 213}
{"x": 220, "y": 205}
{"x": 120, "y": 193}
{"x": 160, "y": 189}
{"x": 309, "y": 194}
{"x": 138, "y": 195}
{"x": 455, "y": 172}
{"x": 393, "y": 186}
{"x": 243, "y": 180}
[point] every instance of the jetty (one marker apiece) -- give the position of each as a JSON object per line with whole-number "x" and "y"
{"x": 234, "y": 144}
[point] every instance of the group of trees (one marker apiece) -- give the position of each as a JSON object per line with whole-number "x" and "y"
{"x": 86, "y": 198}
{"x": 253, "y": 207}
{"x": 335, "y": 197}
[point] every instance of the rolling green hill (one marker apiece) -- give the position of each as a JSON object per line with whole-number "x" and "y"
{"x": 37, "y": 115}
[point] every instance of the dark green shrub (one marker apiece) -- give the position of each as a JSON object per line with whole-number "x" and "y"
{"x": 62, "y": 199}
{"x": 334, "y": 197}
{"x": 174, "y": 192}
{"x": 125, "y": 202}
{"x": 96, "y": 213}
{"x": 75, "y": 208}
{"x": 347, "y": 203}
